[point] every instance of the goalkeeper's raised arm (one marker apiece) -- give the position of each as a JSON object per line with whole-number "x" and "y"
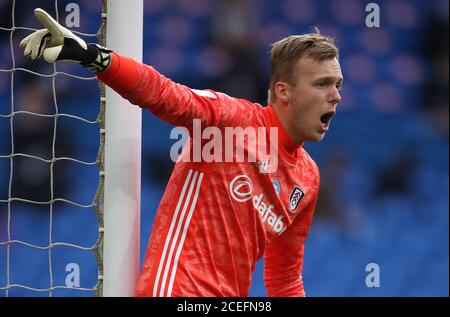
{"x": 141, "y": 84}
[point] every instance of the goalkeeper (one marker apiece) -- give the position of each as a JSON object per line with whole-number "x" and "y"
{"x": 215, "y": 220}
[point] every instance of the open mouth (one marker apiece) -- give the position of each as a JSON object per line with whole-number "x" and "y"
{"x": 326, "y": 118}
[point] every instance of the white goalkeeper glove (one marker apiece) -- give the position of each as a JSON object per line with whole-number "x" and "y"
{"x": 56, "y": 43}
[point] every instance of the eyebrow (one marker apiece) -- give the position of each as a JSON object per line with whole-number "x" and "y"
{"x": 330, "y": 79}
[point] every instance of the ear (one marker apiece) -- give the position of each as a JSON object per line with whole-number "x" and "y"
{"x": 282, "y": 91}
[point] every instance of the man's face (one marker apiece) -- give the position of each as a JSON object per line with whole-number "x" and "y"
{"x": 312, "y": 99}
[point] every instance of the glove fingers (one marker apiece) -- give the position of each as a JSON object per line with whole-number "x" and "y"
{"x": 28, "y": 48}
{"x": 35, "y": 43}
{"x": 34, "y": 48}
{"x": 38, "y": 43}
{"x": 25, "y": 41}
{"x": 51, "y": 25}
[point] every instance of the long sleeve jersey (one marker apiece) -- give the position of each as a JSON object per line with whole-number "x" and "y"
{"x": 216, "y": 219}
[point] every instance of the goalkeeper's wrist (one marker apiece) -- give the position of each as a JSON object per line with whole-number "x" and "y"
{"x": 97, "y": 58}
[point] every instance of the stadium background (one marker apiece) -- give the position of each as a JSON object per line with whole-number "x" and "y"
{"x": 384, "y": 164}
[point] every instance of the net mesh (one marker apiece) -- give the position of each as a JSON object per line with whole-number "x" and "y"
{"x": 7, "y": 238}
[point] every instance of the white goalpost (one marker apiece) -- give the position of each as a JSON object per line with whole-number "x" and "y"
{"x": 122, "y": 159}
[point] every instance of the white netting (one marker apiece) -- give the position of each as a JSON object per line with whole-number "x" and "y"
{"x": 9, "y": 113}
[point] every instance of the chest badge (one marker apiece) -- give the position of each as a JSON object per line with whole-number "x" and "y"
{"x": 295, "y": 197}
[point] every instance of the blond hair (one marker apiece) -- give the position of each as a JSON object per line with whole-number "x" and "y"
{"x": 286, "y": 52}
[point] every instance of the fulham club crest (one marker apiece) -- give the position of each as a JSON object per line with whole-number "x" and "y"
{"x": 295, "y": 197}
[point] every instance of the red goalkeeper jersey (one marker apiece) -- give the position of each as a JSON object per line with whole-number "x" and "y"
{"x": 216, "y": 219}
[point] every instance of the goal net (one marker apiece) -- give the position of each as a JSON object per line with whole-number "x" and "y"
{"x": 69, "y": 159}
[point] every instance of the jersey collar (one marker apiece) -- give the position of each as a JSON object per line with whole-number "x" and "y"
{"x": 284, "y": 139}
